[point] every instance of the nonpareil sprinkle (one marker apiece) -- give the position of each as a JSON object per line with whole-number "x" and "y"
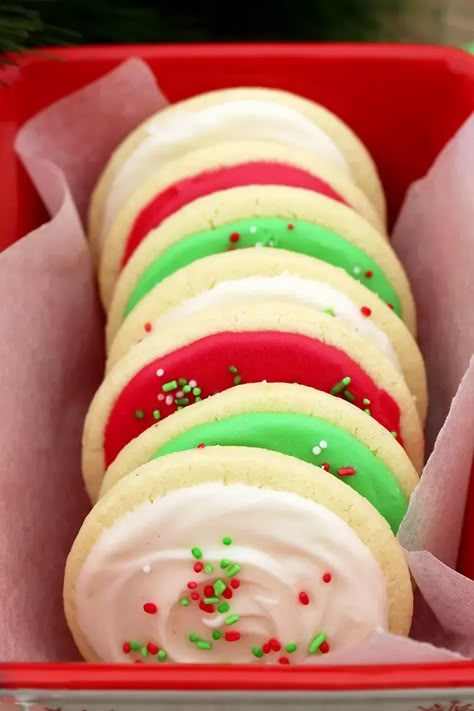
{"x": 291, "y": 647}
{"x": 208, "y": 569}
{"x": 225, "y": 562}
{"x": 237, "y": 380}
{"x": 227, "y": 541}
{"x": 162, "y": 655}
{"x": 257, "y": 651}
{"x": 139, "y": 414}
{"x": 225, "y": 607}
{"x": 233, "y": 369}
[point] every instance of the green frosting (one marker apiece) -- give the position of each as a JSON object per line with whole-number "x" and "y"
{"x": 304, "y": 238}
{"x": 298, "y": 435}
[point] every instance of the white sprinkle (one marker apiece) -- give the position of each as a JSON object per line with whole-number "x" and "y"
{"x": 264, "y": 381}
{"x": 316, "y": 450}
{"x": 160, "y": 372}
{"x": 192, "y": 383}
{"x": 356, "y": 270}
{"x": 161, "y": 397}
{"x": 270, "y": 243}
{"x": 169, "y": 399}
{"x": 146, "y": 568}
{"x": 253, "y": 230}
{"x": 179, "y": 393}
{"x": 323, "y": 444}
{"x": 259, "y": 244}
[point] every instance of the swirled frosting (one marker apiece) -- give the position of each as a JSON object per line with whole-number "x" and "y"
{"x": 248, "y": 120}
{"x": 228, "y": 574}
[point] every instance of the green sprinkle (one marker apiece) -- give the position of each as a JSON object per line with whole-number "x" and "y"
{"x": 219, "y": 587}
{"x": 197, "y": 391}
{"x": 156, "y": 414}
{"x": 348, "y": 395}
{"x": 331, "y": 312}
{"x": 225, "y": 562}
{"x": 198, "y": 399}
{"x": 208, "y": 568}
{"x": 227, "y": 541}
{"x": 182, "y": 401}
{"x": 184, "y": 602}
{"x": 225, "y": 607}
{"x": 203, "y": 645}
{"x": 316, "y": 643}
{"x": 216, "y": 634}
{"x": 237, "y": 380}
{"x": 232, "y": 619}
{"x": 144, "y": 652}
{"x": 197, "y": 552}
{"x": 257, "y": 652}
{"x": 139, "y": 414}
{"x": 182, "y": 382}
{"x": 211, "y": 600}
{"x": 134, "y": 646}
{"x": 394, "y": 434}
{"x": 187, "y": 388}
{"x": 291, "y": 647}
{"x": 367, "y": 411}
{"x": 366, "y": 401}
{"x": 171, "y": 385}
{"x": 180, "y": 407}
{"x": 193, "y": 637}
{"x": 339, "y": 387}
{"x": 233, "y": 369}
{"x": 233, "y": 570}
{"x": 162, "y": 655}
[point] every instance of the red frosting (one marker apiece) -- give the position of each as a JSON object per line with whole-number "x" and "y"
{"x": 185, "y": 191}
{"x": 216, "y": 360}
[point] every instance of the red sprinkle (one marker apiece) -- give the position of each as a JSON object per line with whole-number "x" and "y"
{"x": 291, "y": 226}
{"x": 365, "y": 311}
{"x": 194, "y": 596}
{"x": 148, "y": 327}
{"x": 274, "y": 644}
{"x": 369, "y": 273}
{"x": 209, "y": 591}
{"x": 152, "y": 648}
{"x": 283, "y": 660}
{"x": 346, "y": 471}
{"x": 139, "y": 661}
{"x": 235, "y": 583}
{"x": 327, "y": 577}
{"x": 303, "y": 598}
{"x": 391, "y": 306}
{"x": 325, "y": 466}
{"x": 232, "y": 636}
{"x": 201, "y": 446}
{"x": 234, "y": 237}
{"x": 192, "y": 585}
{"x": 126, "y": 647}
{"x": 198, "y": 567}
{"x": 231, "y": 249}
{"x": 150, "y": 608}
{"x": 206, "y": 608}
{"x": 227, "y": 593}
{"x": 324, "y": 648}
{"x": 266, "y": 649}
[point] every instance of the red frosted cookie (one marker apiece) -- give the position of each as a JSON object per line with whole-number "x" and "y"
{"x": 275, "y": 341}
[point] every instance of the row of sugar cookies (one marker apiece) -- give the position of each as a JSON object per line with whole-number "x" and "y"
{"x": 278, "y": 138}
{"x": 209, "y": 319}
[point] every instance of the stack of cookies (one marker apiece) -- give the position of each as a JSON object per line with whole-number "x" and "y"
{"x": 253, "y": 446}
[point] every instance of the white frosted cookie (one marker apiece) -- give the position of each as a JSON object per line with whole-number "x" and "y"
{"x": 294, "y": 420}
{"x": 262, "y": 216}
{"x": 208, "y": 170}
{"x": 243, "y": 342}
{"x": 231, "y": 114}
{"x": 274, "y": 274}
{"x": 232, "y": 555}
